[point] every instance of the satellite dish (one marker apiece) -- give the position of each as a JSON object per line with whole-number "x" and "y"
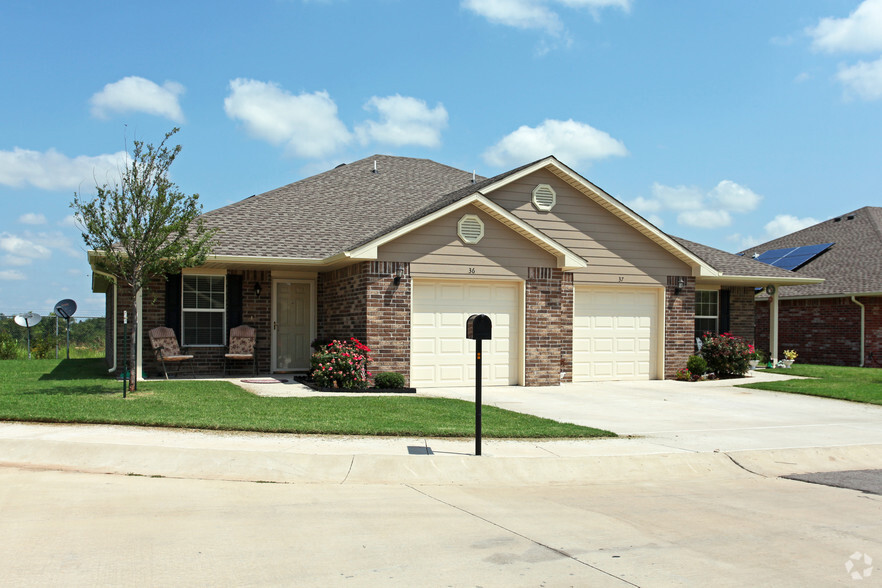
{"x": 27, "y": 319}
{"x": 66, "y": 308}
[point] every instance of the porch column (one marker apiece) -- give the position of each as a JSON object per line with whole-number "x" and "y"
{"x": 773, "y": 326}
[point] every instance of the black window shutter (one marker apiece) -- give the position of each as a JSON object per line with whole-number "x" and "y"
{"x": 234, "y": 300}
{"x": 173, "y": 303}
{"x": 724, "y": 311}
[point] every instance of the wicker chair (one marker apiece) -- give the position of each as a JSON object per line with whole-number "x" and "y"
{"x": 165, "y": 346}
{"x": 241, "y": 346}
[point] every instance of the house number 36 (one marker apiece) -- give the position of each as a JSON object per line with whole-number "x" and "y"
{"x": 471, "y": 270}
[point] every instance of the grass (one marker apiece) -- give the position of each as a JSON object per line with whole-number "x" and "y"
{"x": 844, "y": 383}
{"x": 79, "y": 391}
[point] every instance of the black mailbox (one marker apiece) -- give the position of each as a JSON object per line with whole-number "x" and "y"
{"x": 479, "y": 327}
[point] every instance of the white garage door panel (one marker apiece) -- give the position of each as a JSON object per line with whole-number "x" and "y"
{"x": 615, "y": 334}
{"x": 440, "y": 353}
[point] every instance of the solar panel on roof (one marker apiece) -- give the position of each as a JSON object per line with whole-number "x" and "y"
{"x": 791, "y": 258}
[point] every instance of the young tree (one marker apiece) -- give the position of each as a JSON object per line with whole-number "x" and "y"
{"x": 144, "y": 226}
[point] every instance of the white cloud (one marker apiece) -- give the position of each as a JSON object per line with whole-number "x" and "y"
{"x": 32, "y": 218}
{"x": 307, "y": 124}
{"x": 403, "y": 121}
{"x": 679, "y": 197}
{"x": 69, "y": 221}
{"x": 728, "y": 195}
{"x": 11, "y": 275}
{"x": 52, "y": 170}
{"x": 860, "y": 31}
{"x": 22, "y": 251}
{"x": 644, "y": 205}
{"x": 536, "y": 14}
{"x": 862, "y": 79}
{"x": 784, "y": 224}
{"x": 570, "y": 141}
{"x": 136, "y": 94}
{"x": 705, "y": 219}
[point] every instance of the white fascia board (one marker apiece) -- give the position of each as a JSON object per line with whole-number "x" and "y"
{"x": 757, "y": 280}
{"x": 566, "y": 259}
{"x": 699, "y": 267}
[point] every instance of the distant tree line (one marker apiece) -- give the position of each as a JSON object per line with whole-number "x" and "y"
{"x": 86, "y": 333}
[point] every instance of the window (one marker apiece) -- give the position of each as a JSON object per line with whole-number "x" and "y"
{"x": 204, "y": 310}
{"x": 706, "y": 311}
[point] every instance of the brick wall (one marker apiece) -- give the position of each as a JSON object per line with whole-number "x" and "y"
{"x": 257, "y": 313}
{"x": 741, "y": 311}
{"x": 109, "y": 343}
{"x": 388, "y": 316}
{"x": 548, "y": 330}
{"x": 824, "y": 330}
{"x": 679, "y": 324}
{"x": 341, "y": 305}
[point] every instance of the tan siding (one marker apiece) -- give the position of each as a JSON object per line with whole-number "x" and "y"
{"x": 436, "y": 251}
{"x": 616, "y": 252}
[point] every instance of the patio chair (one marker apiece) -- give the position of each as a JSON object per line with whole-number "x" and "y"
{"x": 165, "y": 346}
{"x": 241, "y": 346}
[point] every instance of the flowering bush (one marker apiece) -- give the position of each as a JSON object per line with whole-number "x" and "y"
{"x": 790, "y": 354}
{"x": 684, "y": 374}
{"x": 726, "y": 355}
{"x": 341, "y": 364}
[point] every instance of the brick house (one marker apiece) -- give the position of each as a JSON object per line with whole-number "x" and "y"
{"x": 839, "y": 321}
{"x": 398, "y": 252}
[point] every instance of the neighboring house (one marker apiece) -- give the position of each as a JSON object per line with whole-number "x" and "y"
{"x": 398, "y": 252}
{"x": 837, "y": 322}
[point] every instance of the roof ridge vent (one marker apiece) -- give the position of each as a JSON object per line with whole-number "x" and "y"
{"x": 849, "y": 217}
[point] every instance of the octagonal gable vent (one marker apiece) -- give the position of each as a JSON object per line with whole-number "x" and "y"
{"x": 470, "y": 229}
{"x": 544, "y": 197}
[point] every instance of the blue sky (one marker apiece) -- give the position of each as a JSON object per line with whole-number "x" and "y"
{"x": 724, "y": 123}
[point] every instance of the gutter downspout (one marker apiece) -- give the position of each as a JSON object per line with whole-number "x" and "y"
{"x": 115, "y": 299}
{"x": 863, "y": 315}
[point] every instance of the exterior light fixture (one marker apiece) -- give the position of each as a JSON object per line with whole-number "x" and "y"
{"x": 257, "y": 289}
{"x": 399, "y": 273}
{"x": 681, "y": 283}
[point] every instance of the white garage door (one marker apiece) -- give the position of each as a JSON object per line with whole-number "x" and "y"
{"x": 615, "y": 334}
{"x": 440, "y": 353}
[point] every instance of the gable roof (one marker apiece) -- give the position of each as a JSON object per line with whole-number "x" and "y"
{"x": 853, "y": 265}
{"x": 322, "y": 215}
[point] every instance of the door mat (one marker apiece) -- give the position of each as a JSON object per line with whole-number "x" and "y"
{"x": 264, "y": 381}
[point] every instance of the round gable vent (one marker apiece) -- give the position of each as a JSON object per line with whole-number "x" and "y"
{"x": 544, "y": 197}
{"x": 470, "y": 229}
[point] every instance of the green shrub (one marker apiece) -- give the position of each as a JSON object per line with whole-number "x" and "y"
{"x": 341, "y": 364}
{"x": 389, "y": 380}
{"x": 697, "y": 365}
{"x": 726, "y": 355}
{"x": 9, "y": 347}
{"x": 43, "y": 347}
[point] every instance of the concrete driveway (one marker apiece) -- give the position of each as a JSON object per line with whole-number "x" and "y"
{"x": 693, "y": 416}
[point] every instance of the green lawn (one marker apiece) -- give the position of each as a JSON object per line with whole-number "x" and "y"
{"x": 844, "y": 383}
{"x": 79, "y": 391}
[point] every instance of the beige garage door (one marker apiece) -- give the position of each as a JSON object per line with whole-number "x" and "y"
{"x": 440, "y": 353}
{"x": 615, "y": 334}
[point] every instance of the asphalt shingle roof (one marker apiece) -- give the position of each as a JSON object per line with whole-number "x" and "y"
{"x": 733, "y": 265}
{"x": 852, "y": 265}
{"x": 334, "y": 211}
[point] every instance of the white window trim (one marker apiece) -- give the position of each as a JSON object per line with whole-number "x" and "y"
{"x": 716, "y": 317}
{"x": 214, "y": 310}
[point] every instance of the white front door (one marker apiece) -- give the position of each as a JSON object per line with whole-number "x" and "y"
{"x": 293, "y": 324}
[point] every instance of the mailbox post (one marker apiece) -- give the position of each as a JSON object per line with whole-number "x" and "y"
{"x": 478, "y": 327}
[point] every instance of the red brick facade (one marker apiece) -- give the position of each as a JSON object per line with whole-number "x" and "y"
{"x": 679, "y": 323}
{"x": 741, "y": 311}
{"x": 363, "y": 301}
{"x": 549, "y": 327}
{"x": 825, "y": 330}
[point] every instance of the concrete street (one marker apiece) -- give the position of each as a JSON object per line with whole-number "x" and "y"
{"x": 696, "y": 498}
